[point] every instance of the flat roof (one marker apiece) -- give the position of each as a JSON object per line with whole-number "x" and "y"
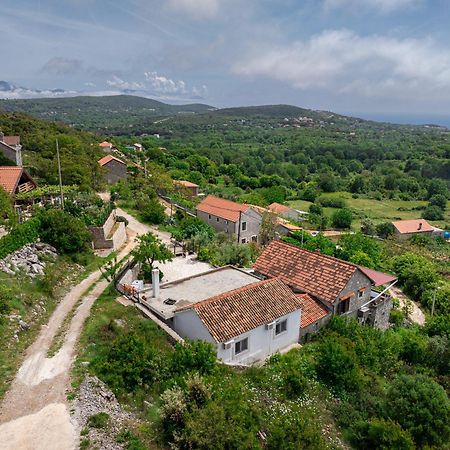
{"x": 188, "y": 291}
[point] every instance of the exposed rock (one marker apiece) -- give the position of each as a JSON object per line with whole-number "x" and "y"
{"x": 24, "y": 325}
{"x": 30, "y": 260}
{"x": 94, "y": 397}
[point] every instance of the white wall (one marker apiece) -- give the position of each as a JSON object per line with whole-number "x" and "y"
{"x": 261, "y": 341}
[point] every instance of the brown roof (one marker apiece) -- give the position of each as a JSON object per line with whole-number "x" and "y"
{"x": 107, "y": 159}
{"x": 312, "y": 310}
{"x": 10, "y": 178}
{"x": 185, "y": 183}
{"x": 319, "y": 275}
{"x": 105, "y": 144}
{"x": 278, "y": 208}
{"x": 219, "y": 207}
{"x": 378, "y": 278}
{"x": 11, "y": 140}
{"x": 412, "y": 226}
{"x": 230, "y": 314}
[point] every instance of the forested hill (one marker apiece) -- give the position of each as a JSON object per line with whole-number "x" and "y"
{"x": 101, "y": 113}
{"x": 79, "y": 150}
{"x": 128, "y": 115}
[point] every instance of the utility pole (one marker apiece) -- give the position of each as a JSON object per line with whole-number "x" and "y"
{"x": 434, "y": 301}
{"x": 59, "y": 175}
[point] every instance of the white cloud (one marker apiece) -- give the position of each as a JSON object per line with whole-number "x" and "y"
{"x": 342, "y": 61}
{"x": 384, "y": 6}
{"x": 118, "y": 83}
{"x": 164, "y": 85}
{"x": 197, "y": 9}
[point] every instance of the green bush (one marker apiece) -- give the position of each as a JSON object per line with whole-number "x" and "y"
{"x": 332, "y": 202}
{"x": 153, "y": 212}
{"x": 380, "y": 435}
{"x": 342, "y": 218}
{"x": 433, "y": 212}
{"x": 99, "y": 420}
{"x": 19, "y": 236}
{"x": 195, "y": 356}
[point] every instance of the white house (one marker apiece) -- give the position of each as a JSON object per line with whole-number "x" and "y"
{"x": 247, "y": 324}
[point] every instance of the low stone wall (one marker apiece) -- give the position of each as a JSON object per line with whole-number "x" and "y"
{"x": 101, "y": 237}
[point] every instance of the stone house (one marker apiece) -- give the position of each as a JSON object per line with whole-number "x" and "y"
{"x": 241, "y": 221}
{"x": 405, "y": 229}
{"x": 186, "y": 187}
{"x": 106, "y": 146}
{"x": 15, "y": 180}
{"x": 115, "y": 168}
{"x": 246, "y": 325}
{"x": 286, "y": 211}
{"x": 341, "y": 287}
{"x": 11, "y": 149}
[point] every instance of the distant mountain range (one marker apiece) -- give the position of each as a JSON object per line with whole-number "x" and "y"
{"x": 130, "y": 114}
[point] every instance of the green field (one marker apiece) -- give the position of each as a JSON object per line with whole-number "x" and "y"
{"x": 377, "y": 210}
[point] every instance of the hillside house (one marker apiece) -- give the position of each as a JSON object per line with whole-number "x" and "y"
{"x": 138, "y": 147}
{"x": 15, "y": 180}
{"x": 286, "y": 211}
{"x": 405, "y": 229}
{"x": 106, "y": 146}
{"x": 11, "y": 149}
{"x": 235, "y": 219}
{"x": 342, "y": 288}
{"x": 186, "y": 187}
{"x": 115, "y": 168}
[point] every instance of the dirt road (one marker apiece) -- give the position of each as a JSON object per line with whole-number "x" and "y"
{"x": 34, "y": 414}
{"x": 415, "y": 314}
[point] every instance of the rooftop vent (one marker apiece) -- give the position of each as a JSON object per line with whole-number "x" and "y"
{"x": 169, "y": 301}
{"x": 420, "y": 226}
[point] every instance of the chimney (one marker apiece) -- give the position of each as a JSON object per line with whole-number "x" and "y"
{"x": 420, "y": 226}
{"x": 155, "y": 282}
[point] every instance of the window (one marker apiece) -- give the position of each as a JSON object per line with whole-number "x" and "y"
{"x": 361, "y": 293}
{"x": 243, "y": 241}
{"x": 209, "y": 216}
{"x": 226, "y": 222}
{"x": 244, "y": 226}
{"x": 254, "y": 238}
{"x": 241, "y": 346}
{"x": 344, "y": 306}
{"x": 217, "y": 219}
{"x": 281, "y": 327}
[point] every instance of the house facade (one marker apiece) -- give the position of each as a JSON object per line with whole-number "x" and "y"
{"x": 245, "y": 325}
{"x": 341, "y": 287}
{"x": 15, "y": 180}
{"x": 11, "y": 148}
{"x": 115, "y": 168}
{"x": 405, "y": 229}
{"x": 285, "y": 211}
{"x": 241, "y": 221}
{"x": 106, "y": 146}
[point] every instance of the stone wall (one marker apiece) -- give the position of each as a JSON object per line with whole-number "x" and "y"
{"x": 101, "y": 236}
{"x": 380, "y": 311}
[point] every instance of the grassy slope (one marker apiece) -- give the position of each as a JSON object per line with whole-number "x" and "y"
{"x": 378, "y": 210}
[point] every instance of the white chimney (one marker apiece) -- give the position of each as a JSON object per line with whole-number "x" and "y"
{"x": 155, "y": 282}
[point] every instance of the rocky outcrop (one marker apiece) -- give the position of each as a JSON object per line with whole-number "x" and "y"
{"x": 93, "y": 398}
{"x": 29, "y": 260}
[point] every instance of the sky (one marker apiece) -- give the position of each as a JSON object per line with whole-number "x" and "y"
{"x": 372, "y": 58}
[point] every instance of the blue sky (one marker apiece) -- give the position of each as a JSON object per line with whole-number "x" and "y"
{"x": 367, "y": 57}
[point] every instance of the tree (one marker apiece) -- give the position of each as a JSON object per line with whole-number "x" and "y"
{"x": 309, "y": 193}
{"x": 422, "y": 407}
{"x": 368, "y": 227}
{"x": 342, "y": 218}
{"x": 65, "y": 232}
{"x": 359, "y": 249}
{"x": 268, "y": 226}
{"x": 385, "y": 229}
{"x": 153, "y": 212}
{"x": 8, "y": 217}
{"x": 150, "y": 250}
{"x": 433, "y": 212}
{"x": 439, "y": 200}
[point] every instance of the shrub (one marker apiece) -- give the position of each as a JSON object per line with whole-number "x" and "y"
{"x": 332, "y": 202}
{"x": 380, "y": 435}
{"x": 153, "y": 212}
{"x": 439, "y": 200}
{"x": 385, "y": 229}
{"x": 196, "y": 356}
{"x": 99, "y": 420}
{"x": 173, "y": 408}
{"x": 19, "y": 236}
{"x": 342, "y": 218}
{"x": 198, "y": 391}
{"x": 433, "y": 212}
{"x": 421, "y": 407}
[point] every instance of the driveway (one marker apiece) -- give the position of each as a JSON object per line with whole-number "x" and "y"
{"x": 415, "y": 314}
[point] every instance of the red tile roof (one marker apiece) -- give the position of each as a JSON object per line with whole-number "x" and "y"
{"x": 312, "y": 310}
{"x": 412, "y": 226}
{"x": 107, "y": 159}
{"x": 378, "y": 278}
{"x": 11, "y": 140}
{"x": 313, "y": 273}
{"x": 278, "y": 208}
{"x": 10, "y": 177}
{"x": 105, "y": 144}
{"x": 233, "y": 313}
{"x": 185, "y": 183}
{"x": 219, "y": 207}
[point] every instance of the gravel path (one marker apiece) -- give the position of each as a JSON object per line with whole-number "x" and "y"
{"x": 415, "y": 314}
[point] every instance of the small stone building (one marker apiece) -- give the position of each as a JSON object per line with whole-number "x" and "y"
{"x": 405, "y": 229}
{"x": 241, "y": 221}
{"x": 115, "y": 168}
{"x": 186, "y": 187}
{"x": 11, "y": 149}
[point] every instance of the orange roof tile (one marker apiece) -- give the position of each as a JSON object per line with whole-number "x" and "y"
{"x": 185, "y": 183}
{"x": 412, "y": 226}
{"x": 107, "y": 159}
{"x": 10, "y": 177}
{"x": 219, "y": 207}
{"x": 105, "y": 144}
{"x": 278, "y": 208}
{"x": 312, "y": 310}
{"x": 11, "y": 140}
{"x": 313, "y": 273}
{"x": 233, "y": 313}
